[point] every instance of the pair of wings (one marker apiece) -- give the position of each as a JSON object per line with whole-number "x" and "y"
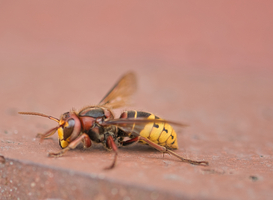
{"x": 119, "y": 96}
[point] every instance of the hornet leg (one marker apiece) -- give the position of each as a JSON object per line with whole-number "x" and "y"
{"x": 47, "y": 134}
{"x": 82, "y": 138}
{"x": 165, "y": 150}
{"x": 129, "y": 142}
{"x": 112, "y": 145}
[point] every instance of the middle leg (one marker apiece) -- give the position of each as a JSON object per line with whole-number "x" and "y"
{"x": 110, "y": 144}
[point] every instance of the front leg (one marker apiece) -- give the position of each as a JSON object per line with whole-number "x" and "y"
{"x": 82, "y": 138}
{"x": 47, "y": 134}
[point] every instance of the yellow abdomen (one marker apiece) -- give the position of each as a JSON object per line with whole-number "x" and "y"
{"x": 160, "y": 133}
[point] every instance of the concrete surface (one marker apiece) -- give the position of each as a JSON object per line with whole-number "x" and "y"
{"x": 205, "y": 63}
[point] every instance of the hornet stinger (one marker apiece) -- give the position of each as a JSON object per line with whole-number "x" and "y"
{"x": 97, "y": 124}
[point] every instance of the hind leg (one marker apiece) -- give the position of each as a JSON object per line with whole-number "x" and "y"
{"x": 163, "y": 150}
{"x": 129, "y": 142}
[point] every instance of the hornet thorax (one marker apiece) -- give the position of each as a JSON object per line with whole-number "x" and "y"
{"x": 90, "y": 119}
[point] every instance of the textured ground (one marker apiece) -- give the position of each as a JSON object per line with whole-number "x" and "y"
{"x": 207, "y": 64}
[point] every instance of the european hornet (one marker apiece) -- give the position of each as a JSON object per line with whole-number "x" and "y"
{"x": 97, "y": 124}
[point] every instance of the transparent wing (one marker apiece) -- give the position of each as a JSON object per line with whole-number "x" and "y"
{"x": 136, "y": 125}
{"x": 120, "y": 94}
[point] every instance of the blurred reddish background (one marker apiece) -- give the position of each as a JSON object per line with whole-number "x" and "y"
{"x": 210, "y": 34}
{"x": 206, "y": 63}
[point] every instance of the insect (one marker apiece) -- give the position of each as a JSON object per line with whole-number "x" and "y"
{"x": 97, "y": 124}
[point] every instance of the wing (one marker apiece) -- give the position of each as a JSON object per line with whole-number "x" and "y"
{"x": 119, "y": 95}
{"x": 136, "y": 125}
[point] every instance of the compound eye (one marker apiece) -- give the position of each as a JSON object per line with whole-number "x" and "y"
{"x": 68, "y": 128}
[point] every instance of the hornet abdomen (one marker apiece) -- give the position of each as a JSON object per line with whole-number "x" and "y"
{"x": 160, "y": 133}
